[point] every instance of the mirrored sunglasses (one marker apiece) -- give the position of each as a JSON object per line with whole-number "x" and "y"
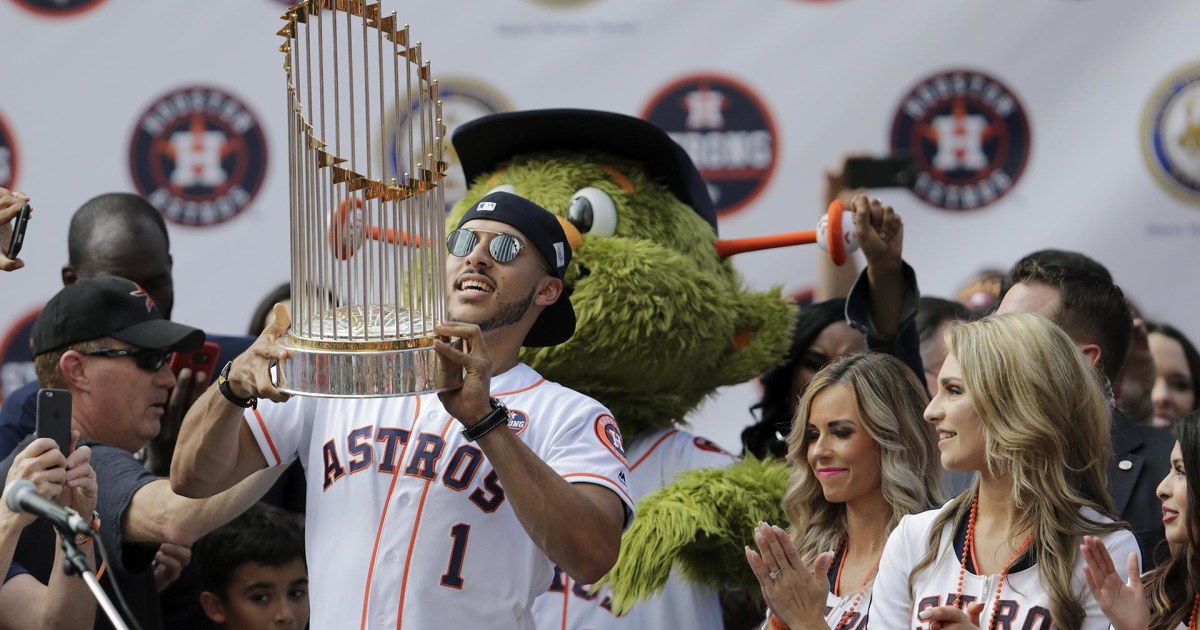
{"x": 503, "y": 247}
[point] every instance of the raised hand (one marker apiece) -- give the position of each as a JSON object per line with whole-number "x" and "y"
{"x": 465, "y": 348}
{"x": 43, "y": 464}
{"x": 250, "y": 374}
{"x": 1123, "y": 603}
{"x": 79, "y": 490}
{"x": 880, "y": 230}
{"x": 11, "y": 203}
{"x": 794, "y": 593}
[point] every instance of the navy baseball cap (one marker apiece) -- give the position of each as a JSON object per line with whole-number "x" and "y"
{"x": 108, "y": 306}
{"x": 543, "y": 233}
{"x": 485, "y": 143}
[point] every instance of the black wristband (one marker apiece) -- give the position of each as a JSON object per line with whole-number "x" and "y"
{"x": 227, "y": 392}
{"x": 498, "y": 416}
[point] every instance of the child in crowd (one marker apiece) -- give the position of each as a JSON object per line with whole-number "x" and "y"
{"x": 252, "y": 571}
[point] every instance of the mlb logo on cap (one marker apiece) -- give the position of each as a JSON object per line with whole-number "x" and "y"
{"x": 486, "y": 206}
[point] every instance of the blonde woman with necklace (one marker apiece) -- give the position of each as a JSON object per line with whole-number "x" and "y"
{"x": 1017, "y": 403}
{"x": 862, "y": 458}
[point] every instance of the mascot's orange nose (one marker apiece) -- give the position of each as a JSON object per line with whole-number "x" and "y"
{"x": 572, "y": 232}
{"x": 835, "y": 234}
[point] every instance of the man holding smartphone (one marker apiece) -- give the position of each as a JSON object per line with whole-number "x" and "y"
{"x": 12, "y": 228}
{"x": 119, "y": 234}
{"x": 104, "y": 340}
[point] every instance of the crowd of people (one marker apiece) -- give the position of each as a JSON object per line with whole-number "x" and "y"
{"x": 1022, "y": 456}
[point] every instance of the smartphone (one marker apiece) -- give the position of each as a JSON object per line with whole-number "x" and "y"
{"x": 54, "y": 417}
{"x": 202, "y": 360}
{"x": 898, "y": 170}
{"x": 18, "y": 232}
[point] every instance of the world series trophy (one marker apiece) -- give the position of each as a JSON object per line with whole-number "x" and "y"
{"x": 367, "y": 255}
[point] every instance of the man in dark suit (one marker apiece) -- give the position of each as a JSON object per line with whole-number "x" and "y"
{"x": 1078, "y": 294}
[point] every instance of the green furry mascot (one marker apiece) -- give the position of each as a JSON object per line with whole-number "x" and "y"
{"x": 663, "y": 322}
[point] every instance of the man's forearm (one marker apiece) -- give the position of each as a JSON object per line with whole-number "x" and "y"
{"x": 158, "y": 515}
{"x": 68, "y": 603}
{"x": 206, "y": 455}
{"x": 578, "y": 530}
{"x": 10, "y": 533}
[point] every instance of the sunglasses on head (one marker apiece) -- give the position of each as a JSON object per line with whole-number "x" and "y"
{"x": 149, "y": 360}
{"x": 503, "y": 247}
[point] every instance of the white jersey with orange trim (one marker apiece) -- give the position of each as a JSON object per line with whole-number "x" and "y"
{"x": 654, "y": 461}
{"x": 407, "y": 523}
{"x": 1023, "y": 602}
{"x": 848, "y": 611}
{"x": 841, "y": 612}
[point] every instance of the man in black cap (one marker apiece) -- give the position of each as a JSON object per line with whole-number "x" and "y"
{"x": 445, "y": 514}
{"x": 120, "y": 234}
{"x": 104, "y": 340}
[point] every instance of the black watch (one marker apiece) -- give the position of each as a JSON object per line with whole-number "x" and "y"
{"x": 499, "y": 415}
{"x": 227, "y": 391}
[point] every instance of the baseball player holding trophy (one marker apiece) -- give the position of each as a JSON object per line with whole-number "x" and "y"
{"x": 445, "y": 478}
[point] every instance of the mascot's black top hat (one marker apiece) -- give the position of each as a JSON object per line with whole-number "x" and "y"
{"x": 485, "y": 143}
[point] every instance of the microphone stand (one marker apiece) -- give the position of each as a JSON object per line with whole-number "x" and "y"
{"x": 76, "y": 562}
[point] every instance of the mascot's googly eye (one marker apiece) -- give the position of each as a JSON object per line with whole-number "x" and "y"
{"x": 508, "y": 188}
{"x": 593, "y": 212}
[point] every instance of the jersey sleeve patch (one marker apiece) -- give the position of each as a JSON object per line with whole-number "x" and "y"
{"x": 517, "y": 421}
{"x": 610, "y": 436}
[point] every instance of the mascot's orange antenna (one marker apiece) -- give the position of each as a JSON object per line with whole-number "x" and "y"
{"x": 834, "y": 234}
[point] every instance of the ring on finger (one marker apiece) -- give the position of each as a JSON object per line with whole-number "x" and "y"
{"x": 774, "y": 574}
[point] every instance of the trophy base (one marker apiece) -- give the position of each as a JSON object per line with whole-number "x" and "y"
{"x": 364, "y": 373}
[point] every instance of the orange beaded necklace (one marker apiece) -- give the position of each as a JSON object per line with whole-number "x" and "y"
{"x": 969, "y": 549}
{"x": 862, "y": 588}
{"x": 1191, "y": 625}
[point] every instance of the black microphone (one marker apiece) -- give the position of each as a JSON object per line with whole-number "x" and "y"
{"x": 22, "y": 496}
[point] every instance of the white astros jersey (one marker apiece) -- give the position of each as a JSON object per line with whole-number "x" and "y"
{"x": 849, "y": 609}
{"x": 836, "y": 608}
{"x": 407, "y": 524}
{"x": 654, "y": 461}
{"x": 1024, "y": 602}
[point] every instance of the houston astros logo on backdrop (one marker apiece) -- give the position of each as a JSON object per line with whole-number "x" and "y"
{"x": 8, "y": 157}
{"x": 198, "y": 154}
{"x": 16, "y": 366}
{"x": 969, "y": 134}
{"x": 727, "y": 131}
{"x": 1171, "y": 133}
{"x": 463, "y": 99}
{"x": 59, "y": 8}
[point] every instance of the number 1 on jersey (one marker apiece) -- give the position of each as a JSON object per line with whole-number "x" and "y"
{"x": 453, "y": 576}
